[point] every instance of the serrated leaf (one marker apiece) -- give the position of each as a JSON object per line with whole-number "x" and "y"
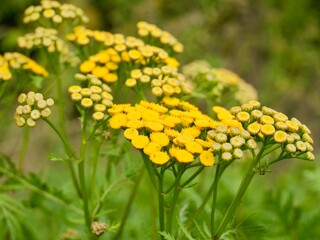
{"x": 166, "y": 235}
{"x": 184, "y": 230}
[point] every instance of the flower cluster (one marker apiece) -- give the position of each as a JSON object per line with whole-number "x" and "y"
{"x": 32, "y": 107}
{"x": 164, "y": 38}
{"x": 98, "y": 228}
{"x": 165, "y": 81}
{"x": 272, "y": 127}
{"x": 14, "y": 60}
{"x": 103, "y": 65}
{"x": 54, "y": 12}
{"x": 83, "y": 36}
{"x": 175, "y": 130}
{"x": 216, "y": 82}
{"x": 43, "y": 38}
{"x": 96, "y": 95}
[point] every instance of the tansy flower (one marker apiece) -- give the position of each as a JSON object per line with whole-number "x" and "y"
{"x": 161, "y": 138}
{"x": 130, "y": 133}
{"x": 280, "y": 136}
{"x": 117, "y": 121}
{"x": 159, "y": 157}
{"x": 140, "y": 141}
{"x": 267, "y": 129}
{"x": 206, "y": 158}
{"x": 183, "y": 156}
{"x": 151, "y": 148}
{"x": 194, "y": 147}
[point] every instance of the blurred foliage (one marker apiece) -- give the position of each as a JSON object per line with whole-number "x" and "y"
{"x": 274, "y": 45}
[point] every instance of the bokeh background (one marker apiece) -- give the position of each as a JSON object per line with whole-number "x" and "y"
{"x": 274, "y": 45}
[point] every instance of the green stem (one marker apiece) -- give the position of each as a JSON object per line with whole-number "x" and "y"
{"x": 214, "y": 196}
{"x": 24, "y": 147}
{"x": 173, "y": 202}
{"x": 161, "y": 205}
{"x": 71, "y": 154}
{"x": 151, "y": 171}
{"x": 193, "y": 176}
{"x": 129, "y": 204}
{"x": 95, "y": 161}
{"x": 237, "y": 200}
{"x": 82, "y": 175}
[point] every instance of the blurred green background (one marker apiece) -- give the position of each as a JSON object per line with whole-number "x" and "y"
{"x": 274, "y": 45}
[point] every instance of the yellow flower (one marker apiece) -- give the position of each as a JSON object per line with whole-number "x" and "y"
{"x": 171, "y": 132}
{"x": 159, "y": 137}
{"x": 118, "y": 121}
{"x": 131, "y": 82}
{"x": 280, "y": 117}
{"x": 167, "y": 89}
{"x": 136, "y": 73}
{"x": 87, "y": 66}
{"x": 254, "y": 128}
{"x": 292, "y": 126}
{"x": 170, "y": 101}
{"x": 154, "y": 126}
{"x": 140, "y": 141}
{"x": 110, "y": 77}
{"x": 182, "y": 139}
{"x": 98, "y": 116}
{"x": 183, "y": 156}
{"x": 267, "y": 129}
{"x": 137, "y": 124}
{"x": 280, "y": 136}
{"x": 112, "y": 66}
{"x": 193, "y": 131}
{"x": 48, "y": 13}
{"x": 99, "y": 71}
{"x": 151, "y": 148}
{"x": 265, "y": 119}
{"x": 86, "y": 102}
{"x": 194, "y": 147}
{"x": 130, "y": 133}
{"x": 207, "y": 159}
{"x": 159, "y": 157}
{"x": 134, "y": 54}
{"x": 172, "y": 62}
{"x": 157, "y": 91}
{"x": 243, "y": 116}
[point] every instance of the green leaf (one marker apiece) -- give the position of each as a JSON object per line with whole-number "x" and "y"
{"x": 54, "y": 157}
{"x": 167, "y": 236}
{"x": 37, "y": 81}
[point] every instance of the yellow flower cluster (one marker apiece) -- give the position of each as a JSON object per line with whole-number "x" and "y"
{"x": 165, "y": 81}
{"x": 83, "y": 36}
{"x": 103, "y": 65}
{"x": 175, "y": 130}
{"x": 131, "y": 49}
{"x": 32, "y": 107}
{"x": 245, "y": 91}
{"x": 96, "y": 95}
{"x": 54, "y": 12}
{"x": 14, "y": 60}
{"x": 214, "y": 81}
{"x": 229, "y": 142}
{"x": 266, "y": 124}
{"x": 164, "y": 38}
{"x": 43, "y": 38}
